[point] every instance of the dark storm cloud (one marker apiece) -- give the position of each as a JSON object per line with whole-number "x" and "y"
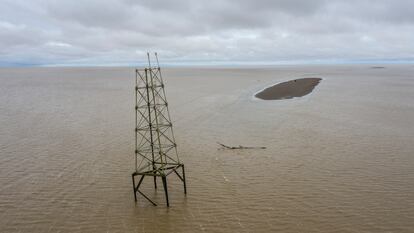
{"x": 120, "y": 31}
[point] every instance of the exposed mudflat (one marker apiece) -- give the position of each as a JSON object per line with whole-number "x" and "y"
{"x": 289, "y": 89}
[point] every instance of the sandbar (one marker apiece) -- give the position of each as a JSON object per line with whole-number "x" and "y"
{"x": 289, "y": 89}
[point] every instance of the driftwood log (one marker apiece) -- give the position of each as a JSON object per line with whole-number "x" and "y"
{"x": 240, "y": 147}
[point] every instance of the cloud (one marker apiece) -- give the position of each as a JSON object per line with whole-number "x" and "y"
{"x": 46, "y": 32}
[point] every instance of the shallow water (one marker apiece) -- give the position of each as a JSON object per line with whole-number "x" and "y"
{"x": 337, "y": 160}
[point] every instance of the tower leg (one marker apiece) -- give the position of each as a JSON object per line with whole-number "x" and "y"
{"x": 185, "y": 185}
{"x": 164, "y": 182}
{"x": 133, "y": 185}
{"x": 155, "y": 177}
{"x": 136, "y": 189}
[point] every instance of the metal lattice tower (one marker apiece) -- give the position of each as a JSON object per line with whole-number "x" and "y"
{"x": 155, "y": 148}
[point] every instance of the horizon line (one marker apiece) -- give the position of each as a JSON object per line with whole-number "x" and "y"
{"x": 213, "y": 63}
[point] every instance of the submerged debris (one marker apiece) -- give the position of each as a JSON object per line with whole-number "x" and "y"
{"x": 239, "y": 147}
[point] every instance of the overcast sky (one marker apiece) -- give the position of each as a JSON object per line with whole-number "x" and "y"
{"x": 119, "y": 32}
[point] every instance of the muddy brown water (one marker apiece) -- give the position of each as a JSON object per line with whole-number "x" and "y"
{"x": 337, "y": 160}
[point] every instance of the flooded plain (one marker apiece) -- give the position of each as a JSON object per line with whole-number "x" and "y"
{"x": 337, "y": 160}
